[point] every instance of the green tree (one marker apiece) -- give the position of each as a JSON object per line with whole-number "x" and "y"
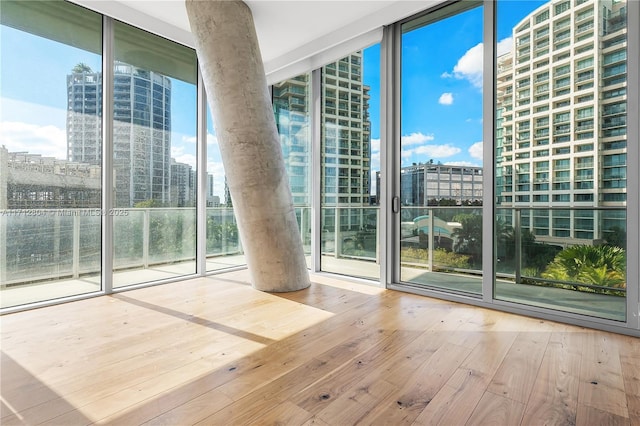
{"x": 81, "y": 67}
{"x": 468, "y": 237}
{"x": 616, "y": 236}
{"x": 602, "y": 276}
{"x": 596, "y": 265}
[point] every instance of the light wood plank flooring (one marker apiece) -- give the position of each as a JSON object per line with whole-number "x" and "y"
{"x": 213, "y": 351}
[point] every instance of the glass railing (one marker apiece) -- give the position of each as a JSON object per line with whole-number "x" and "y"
{"x": 61, "y": 249}
{"x": 350, "y": 241}
{"x": 145, "y": 237}
{"x": 580, "y": 270}
{"x": 442, "y": 239}
{"x": 44, "y": 245}
{"x": 41, "y": 244}
{"x": 52, "y": 253}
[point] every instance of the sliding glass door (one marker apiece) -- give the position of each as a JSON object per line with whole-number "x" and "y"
{"x": 440, "y": 172}
{"x": 561, "y": 155}
{"x": 553, "y": 237}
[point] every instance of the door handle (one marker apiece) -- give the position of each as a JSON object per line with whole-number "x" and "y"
{"x": 395, "y": 204}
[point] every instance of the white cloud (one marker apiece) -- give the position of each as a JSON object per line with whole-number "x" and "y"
{"x": 32, "y": 113}
{"x": 189, "y": 159}
{"x": 48, "y": 140}
{"x": 416, "y": 138}
{"x": 178, "y": 154}
{"x": 212, "y": 139}
{"x": 475, "y": 150}
{"x": 469, "y": 66}
{"x": 176, "y": 151}
{"x": 504, "y": 46}
{"x": 406, "y": 153}
{"x": 431, "y": 151}
{"x": 437, "y": 151}
{"x": 446, "y": 99}
{"x": 375, "y": 154}
{"x": 375, "y": 145}
{"x": 216, "y": 169}
{"x": 375, "y": 162}
{"x": 462, "y": 163}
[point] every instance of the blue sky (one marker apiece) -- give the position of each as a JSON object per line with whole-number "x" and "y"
{"x": 441, "y": 81}
{"x": 441, "y": 95}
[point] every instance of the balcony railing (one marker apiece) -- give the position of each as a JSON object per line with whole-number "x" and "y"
{"x": 66, "y": 243}
{"x": 49, "y": 245}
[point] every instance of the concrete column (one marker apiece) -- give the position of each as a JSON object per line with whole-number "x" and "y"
{"x": 233, "y": 74}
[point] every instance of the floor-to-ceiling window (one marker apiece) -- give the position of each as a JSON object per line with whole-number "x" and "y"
{"x": 223, "y": 248}
{"x": 154, "y": 157}
{"x": 291, "y": 105}
{"x": 561, "y": 155}
{"x": 50, "y": 151}
{"x": 555, "y": 234}
{"x": 350, "y": 164}
{"x": 439, "y": 205}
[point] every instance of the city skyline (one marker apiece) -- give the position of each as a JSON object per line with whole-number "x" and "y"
{"x": 34, "y": 119}
{"x": 23, "y": 127}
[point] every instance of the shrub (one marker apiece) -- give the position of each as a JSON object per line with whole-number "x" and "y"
{"x": 595, "y": 265}
{"x": 441, "y": 257}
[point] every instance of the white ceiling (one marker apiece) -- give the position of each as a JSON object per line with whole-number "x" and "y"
{"x": 288, "y": 31}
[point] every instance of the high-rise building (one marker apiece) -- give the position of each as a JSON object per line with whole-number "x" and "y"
{"x": 84, "y": 112}
{"x": 561, "y": 119}
{"x": 346, "y": 157}
{"x": 291, "y": 105}
{"x": 346, "y": 133}
{"x": 141, "y": 130}
{"x": 183, "y": 185}
{"x": 346, "y": 139}
{"x": 213, "y": 200}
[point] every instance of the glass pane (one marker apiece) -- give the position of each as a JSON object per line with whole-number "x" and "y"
{"x": 291, "y": 101}
{"x": 441, "y": 150}
{"x": 224, "y": 248}
{"x": 350, "y": 162}
{"x": 50, "y": 198}
{"x": 154, "y": 158}
{"x": 561, "y": 156}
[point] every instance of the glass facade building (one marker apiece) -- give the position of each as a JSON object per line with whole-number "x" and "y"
{"x": 142, "y": 133}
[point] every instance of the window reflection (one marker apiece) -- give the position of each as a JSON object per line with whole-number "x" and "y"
{"x": 562, "y": 78}
{"x": 350, "y": 164}
{"x": 154, "y": 157}
{"x": 224, "y": 248}
{"x": 50, "y": 199}
{"x": 291, "y": 102}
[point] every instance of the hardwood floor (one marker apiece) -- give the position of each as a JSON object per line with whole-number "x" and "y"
{"x": 212, "y": 351}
